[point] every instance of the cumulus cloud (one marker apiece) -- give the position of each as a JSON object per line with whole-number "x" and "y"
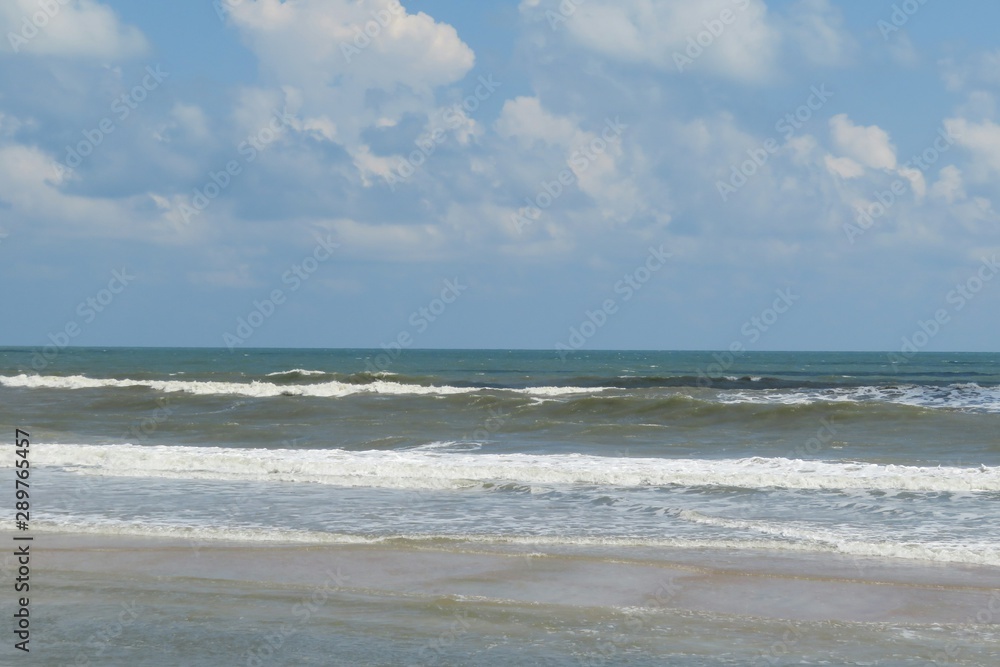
{"x": 868, "y": 145}
{"x": 81, "y": 29}
{"x": 524, "y": 119}
{"x": 844, "y": 167}
{"x": 949, "y": 185}
{"x": 354, "y": 64}
{"x": 30, "y": 189}
{"x": 916, "y": 178}
{"x": 592, "y": 154}
{"x": 740, "y": 41}
{"x": 982, "y": 141}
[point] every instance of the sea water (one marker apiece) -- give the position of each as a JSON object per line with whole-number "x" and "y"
{"x": 606, "y": 455}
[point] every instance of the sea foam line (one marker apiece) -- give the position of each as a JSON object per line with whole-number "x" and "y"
{"x": 936, "y": 552}
{"x": 257, "y": 389}
{"x": 443, "y": 470}
{"x": 299, "y": 371}
{"x": 962, "y": 396}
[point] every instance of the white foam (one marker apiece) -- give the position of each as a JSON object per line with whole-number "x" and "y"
{"x": 257, "y": 389}
{"x": 558, "y": 391}
{"x": 436, "y": 470}
{"x": 963, "y": 396}
{"x": 254, "y": 389}
{"x": 197, "y": 536}
{"x": 446, "y": 446}
{"x": 300, "y": 371}
{"x": 830, "y": 540}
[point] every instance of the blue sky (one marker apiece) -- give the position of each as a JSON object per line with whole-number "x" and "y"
{"x": 593, "y": 174}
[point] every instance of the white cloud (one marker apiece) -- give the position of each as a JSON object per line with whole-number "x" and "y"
{"x": 844, "y": 167}
{"x": 81, "y": 29}
{"x": 30, "y": 185}
{"x": 390, "y": 241}
{"x": 191, "y": 120}
{"x": 916, "y": 178}
{"x": 335, "y": 52}
{"x": 744, "y": 47}
{"x": 949, "y": 185}
{"x": 868, "y": 145}
{"x": 592, "y": 155}
{"x": 817, "y": 29}
{"x": 321, "y": 126}
{"x": 344, "y": 67}
{"x": 524, "y": 118}
{"x": 981, "y": 68}
{"x": 982, "y": 140}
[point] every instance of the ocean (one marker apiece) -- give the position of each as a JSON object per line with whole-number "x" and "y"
{"x": 509, "y": 507}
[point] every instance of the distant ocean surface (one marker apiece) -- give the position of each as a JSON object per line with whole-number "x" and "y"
{"x": 836, "y": 453}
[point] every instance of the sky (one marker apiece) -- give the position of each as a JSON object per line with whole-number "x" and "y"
{"x": 574, "y": 174}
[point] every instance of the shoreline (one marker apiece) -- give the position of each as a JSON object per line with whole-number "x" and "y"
{"x": 761, "y": 584}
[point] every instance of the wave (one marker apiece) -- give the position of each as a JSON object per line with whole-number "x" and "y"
{"x": 606, "y": 398}
{"x": 441, "y": 446}
{"x": 258, "y": 389}
{"x": 296, "y": 372}
{"x": 819, "y": 539}
{"x": 428, "y": 469}
{"x": 558, "y": 391}
{"x": 197, "y": 536}
{"x": 680, "y": 408}
{"x": 968, "y": 396}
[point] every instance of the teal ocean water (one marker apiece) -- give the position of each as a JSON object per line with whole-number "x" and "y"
{"x": 843, "y": 454}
